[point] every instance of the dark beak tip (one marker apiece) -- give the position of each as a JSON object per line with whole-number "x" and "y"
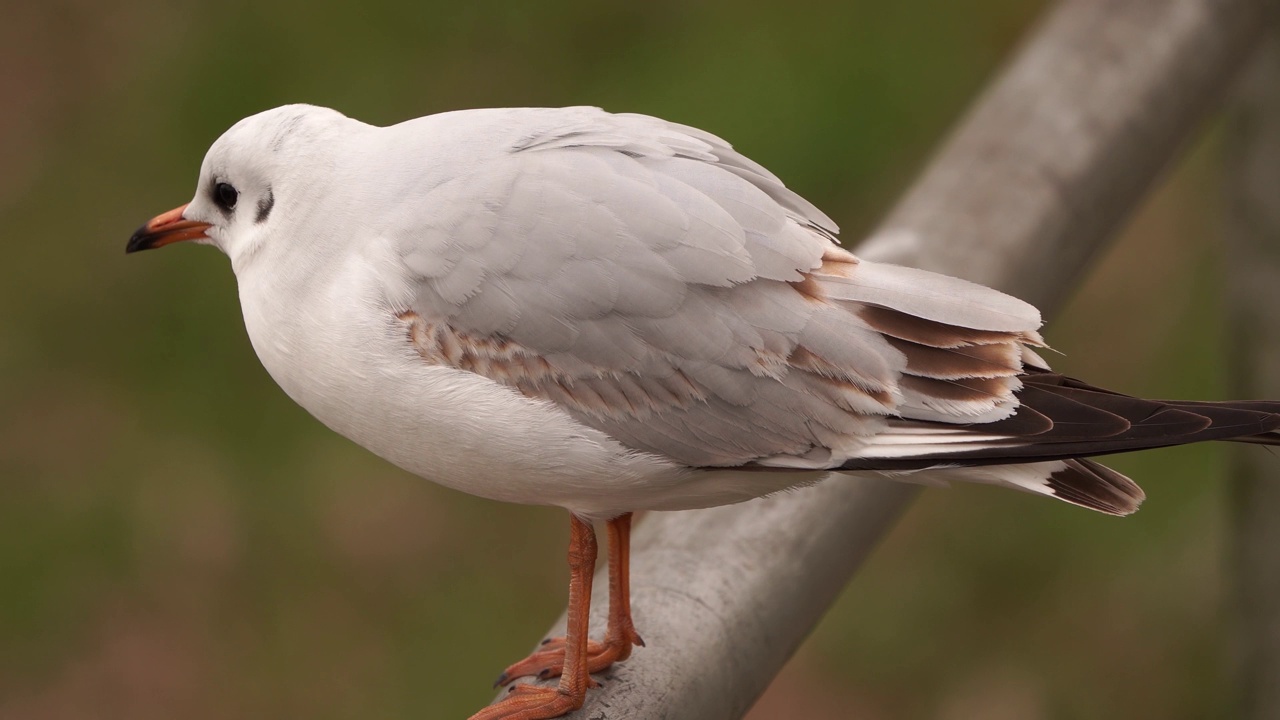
{"x": 140, "y": 240}
{"x": 166, "y": 228}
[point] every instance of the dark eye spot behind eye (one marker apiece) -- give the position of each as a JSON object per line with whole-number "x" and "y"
{"x": 264, "y": 207}
{"x": 225, "y": 196}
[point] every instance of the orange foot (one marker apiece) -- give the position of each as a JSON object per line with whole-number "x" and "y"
{"x": 548, "y": 661}
{"x": 530, "y": 702}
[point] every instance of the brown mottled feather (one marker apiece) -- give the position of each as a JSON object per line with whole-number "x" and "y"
{"x": 927, "y": 332}
{"x": 1097, "y": 487}
{"x": 974, "y": 361}
{"x": 975, "y": 389}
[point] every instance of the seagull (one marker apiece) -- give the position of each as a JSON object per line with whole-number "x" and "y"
{"x": 613, "y": 313}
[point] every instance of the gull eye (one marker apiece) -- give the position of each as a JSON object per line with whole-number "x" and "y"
{"x": 225, "y": 196}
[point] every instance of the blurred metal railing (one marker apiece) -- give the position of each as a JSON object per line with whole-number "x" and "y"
{"x": 1253, "y": 264}
{"x": 1049, "y": 161}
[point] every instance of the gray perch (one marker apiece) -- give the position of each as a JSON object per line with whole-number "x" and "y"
{"x": 1050, "y": 160}
{"x": 1253, "y": 261}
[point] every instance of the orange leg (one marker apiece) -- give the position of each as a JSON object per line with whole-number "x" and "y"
{"x": 529, "y": 702}
{"x": 549, "y": 661}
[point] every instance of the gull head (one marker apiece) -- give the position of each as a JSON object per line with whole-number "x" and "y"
{"x": 251, "y": 182}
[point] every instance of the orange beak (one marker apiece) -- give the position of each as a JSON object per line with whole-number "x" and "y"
{"x": 166, "y": 228}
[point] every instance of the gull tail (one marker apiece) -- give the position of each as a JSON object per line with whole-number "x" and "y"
{"x": 1078, "y": 481}
{"x": 1060, "y": 422}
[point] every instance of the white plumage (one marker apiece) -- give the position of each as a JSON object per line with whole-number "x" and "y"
{"x": 604, "y": 312}
{"x": 612, "y": 313}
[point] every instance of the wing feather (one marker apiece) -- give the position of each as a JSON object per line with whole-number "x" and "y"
{"x": 661, "y": 287}
{"x": 930, "y": 296}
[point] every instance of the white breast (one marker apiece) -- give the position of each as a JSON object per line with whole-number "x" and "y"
{"x": 351, "y": 365}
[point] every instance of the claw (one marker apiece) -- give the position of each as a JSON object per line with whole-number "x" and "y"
{"x": 527, "y": 702}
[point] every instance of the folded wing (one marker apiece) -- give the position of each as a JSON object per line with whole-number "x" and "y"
{"x": 658, "y": 286}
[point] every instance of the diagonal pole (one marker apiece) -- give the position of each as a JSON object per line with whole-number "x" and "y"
{"x": 1253, "y": 262}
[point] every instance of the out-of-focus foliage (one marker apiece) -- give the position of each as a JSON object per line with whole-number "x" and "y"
{"x": 177, "y": 539}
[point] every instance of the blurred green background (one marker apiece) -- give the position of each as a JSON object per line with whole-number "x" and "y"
{"x": 177, "y": 539}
